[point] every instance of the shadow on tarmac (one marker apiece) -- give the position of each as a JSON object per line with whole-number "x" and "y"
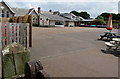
{"x": 116, "y": 53}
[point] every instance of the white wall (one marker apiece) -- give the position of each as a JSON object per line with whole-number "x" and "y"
{"x": 52, "y": 22}
{"x": 44, "y": 20}
{"x": 71, "y": 24}
{"x": 34, "y": 17}
{"x": 59, "y": 25}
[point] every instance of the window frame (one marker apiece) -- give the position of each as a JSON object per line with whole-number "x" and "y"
{"x": 7, "y": 14}
{"x": 3, "y": 13}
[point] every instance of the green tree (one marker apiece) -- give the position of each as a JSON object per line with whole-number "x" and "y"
{"x": 75, "y": 13}
{"x": 100, "y": 17}
{"x": 105, "y": 15}
{"x": 85, "y": 15}
{"x": 115, "y": 17}
{"x": 100, "y": 20}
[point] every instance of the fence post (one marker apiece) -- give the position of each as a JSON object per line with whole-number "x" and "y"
{"x": 25, "y": 19}
{"x": 0, "y": 36}
{"x": 0, "y": 49}
{"x": 30, "y": 30}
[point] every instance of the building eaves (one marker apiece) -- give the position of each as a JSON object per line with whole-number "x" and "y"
{"x": 8, "y": 6}
{"x": 31, "y": 10}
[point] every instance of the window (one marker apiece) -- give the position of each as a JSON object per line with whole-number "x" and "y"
{"x": 36, "y": 20}
{"x": 2, "y": 13}
{"x": 33, "y": 18}
{"x": 7, "y": 15}
{"x": 59, "y": 23}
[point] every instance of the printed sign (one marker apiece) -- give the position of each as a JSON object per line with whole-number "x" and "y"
{"x": 14, "y": 32}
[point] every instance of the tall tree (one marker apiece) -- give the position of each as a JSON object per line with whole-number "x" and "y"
{"x": 75, "y": 13}
{"x": 100, "y": 17}
{"x": 85, "y": 15}
{"x": 116, "y": 17}
{"x": 105, "y": 15}
{"x": 100, "y": 20}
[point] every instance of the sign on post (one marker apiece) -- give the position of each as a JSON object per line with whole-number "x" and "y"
{"x": 14, "y": 32}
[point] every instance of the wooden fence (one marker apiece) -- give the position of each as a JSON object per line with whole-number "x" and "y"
{"x": 14, "y": 32}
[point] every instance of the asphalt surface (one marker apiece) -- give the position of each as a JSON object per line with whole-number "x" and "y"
{"x": 73, "y": 52}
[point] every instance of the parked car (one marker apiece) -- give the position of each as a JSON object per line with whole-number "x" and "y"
{"x": 93, "y": 25}
{"x": 83, "y": 25}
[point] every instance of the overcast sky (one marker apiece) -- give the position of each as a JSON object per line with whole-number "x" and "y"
{"x": 93, "y": 7}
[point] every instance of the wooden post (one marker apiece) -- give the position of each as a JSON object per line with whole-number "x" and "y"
{"x": 39, "y": 20}
{"x": 30, "y": 30}
{"x": 25, "y": 19}
{"x": 39, "y": 11}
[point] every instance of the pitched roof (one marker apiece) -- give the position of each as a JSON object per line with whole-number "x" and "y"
{"x": 78, "y": 18}
{"x": 56, "y": 17}
{"x": 65, "y": 14}
{"x": 19, "y": 11}
{"x": 22, "y": 12}
{"x": 88, "y": 20}
{"x": 31, "y": 10}
{"x": 70, "y": 16}
{"x": 47, "y": 12}
{"x": 7, "y": 6}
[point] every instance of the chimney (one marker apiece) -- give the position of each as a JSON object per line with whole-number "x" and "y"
{"x": 39, "y": 10}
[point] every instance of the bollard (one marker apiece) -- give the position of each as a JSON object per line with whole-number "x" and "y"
{"x": 14, "y": 57}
